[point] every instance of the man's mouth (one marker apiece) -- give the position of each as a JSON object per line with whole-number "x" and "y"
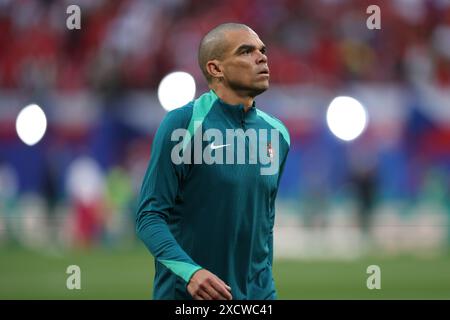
{"x": 264, "y": 71}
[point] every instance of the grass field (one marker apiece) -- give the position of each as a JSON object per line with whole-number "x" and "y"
{"x": 119, "y": 274}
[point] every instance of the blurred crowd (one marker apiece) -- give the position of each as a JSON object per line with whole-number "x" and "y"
{"x": 97, "y": 84}
{"x": 128, "y": 44}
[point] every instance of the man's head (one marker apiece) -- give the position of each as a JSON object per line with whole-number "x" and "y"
{"x": 232, "y": 55}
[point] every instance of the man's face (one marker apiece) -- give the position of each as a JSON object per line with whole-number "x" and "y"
{"x": 244, "y": 64}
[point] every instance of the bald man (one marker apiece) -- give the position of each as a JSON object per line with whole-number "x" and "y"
{"x": 207, "y": 205}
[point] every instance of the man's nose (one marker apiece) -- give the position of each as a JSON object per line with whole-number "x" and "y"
{"x": 262, "y": 58}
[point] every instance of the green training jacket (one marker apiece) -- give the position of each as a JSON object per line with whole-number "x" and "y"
{"x": 218, "y": 216}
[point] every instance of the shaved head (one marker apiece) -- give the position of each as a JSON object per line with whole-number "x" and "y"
{"x": 214, "y": 44}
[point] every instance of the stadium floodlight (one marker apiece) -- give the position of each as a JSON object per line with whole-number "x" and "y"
{"x": 176, "y": 89}
{"x": 346, "y": 118}
{"x": 31, "y": 124}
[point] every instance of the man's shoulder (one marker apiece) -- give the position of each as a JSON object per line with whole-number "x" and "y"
{"x": 276, "y": 123}
{"x": 179, "y": 117}
{"x": 181, "y": 113}
{"x": 196, "y": 107}
{"x": 264, "y": 114}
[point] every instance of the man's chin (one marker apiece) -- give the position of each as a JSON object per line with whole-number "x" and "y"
{"x": 252, "y": 90}
{"x": 259, "y": 89}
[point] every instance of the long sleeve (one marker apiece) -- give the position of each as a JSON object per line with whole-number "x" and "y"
{"x": 270, "y": 241}
{"x": 157, "y": 199}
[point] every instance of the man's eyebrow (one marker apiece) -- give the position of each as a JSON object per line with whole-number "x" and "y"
{"x": 245, "y": 47}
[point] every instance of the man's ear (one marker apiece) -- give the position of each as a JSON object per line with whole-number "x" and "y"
{"x": 214, "y": 69}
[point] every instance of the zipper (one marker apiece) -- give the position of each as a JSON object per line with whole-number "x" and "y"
{"x": 247, "y": 139}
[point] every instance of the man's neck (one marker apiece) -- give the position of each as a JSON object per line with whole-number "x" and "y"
{"x": 233, "y": 98}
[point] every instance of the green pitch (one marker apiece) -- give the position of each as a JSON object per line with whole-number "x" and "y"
{"x": 127, "y": 274}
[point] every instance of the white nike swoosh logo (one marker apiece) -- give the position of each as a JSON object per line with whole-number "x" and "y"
{"x": 213, "y": 147}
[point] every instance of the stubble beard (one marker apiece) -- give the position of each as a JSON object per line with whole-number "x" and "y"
{"x": 249, "y": 90}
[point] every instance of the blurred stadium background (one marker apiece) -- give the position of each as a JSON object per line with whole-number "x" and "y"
{"x": 382, "y": 198}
